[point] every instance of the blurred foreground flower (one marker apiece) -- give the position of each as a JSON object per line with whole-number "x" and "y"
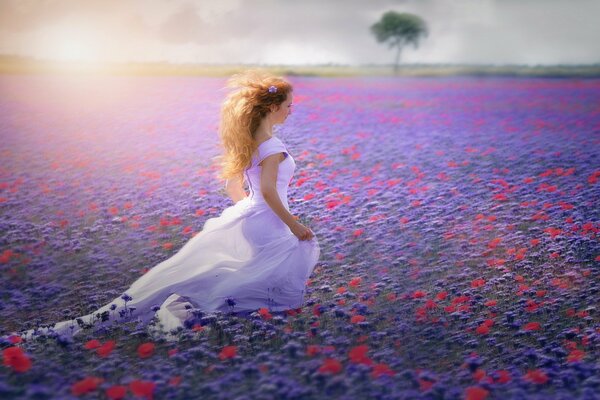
{"x": 15, "y": 358}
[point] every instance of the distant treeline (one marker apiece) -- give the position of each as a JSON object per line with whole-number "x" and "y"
{"x": 13, "y": 64}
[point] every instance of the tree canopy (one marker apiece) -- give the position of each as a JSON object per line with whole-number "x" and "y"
{"x": 399, "y": 29}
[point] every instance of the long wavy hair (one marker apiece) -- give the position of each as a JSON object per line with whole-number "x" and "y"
{"x": 241, "y": 112}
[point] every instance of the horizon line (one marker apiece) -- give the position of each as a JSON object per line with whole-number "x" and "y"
{"x": 330, "y": 64}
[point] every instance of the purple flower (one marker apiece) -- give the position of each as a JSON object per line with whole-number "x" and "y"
{"x": 272, "y": 89}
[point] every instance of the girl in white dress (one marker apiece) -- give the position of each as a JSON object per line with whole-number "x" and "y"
{"x": 255, "y": 254}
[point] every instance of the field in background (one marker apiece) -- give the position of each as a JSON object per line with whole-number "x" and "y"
{"x": 17, "y": 65}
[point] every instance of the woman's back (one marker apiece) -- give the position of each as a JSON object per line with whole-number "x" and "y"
{"x": 285, "y": 172}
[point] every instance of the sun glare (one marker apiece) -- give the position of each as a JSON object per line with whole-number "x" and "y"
{"x": 70, "y": 43}
{"x": 71, "y": 50}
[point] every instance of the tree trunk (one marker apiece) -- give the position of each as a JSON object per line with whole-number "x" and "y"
{"x": 397, "y": 58}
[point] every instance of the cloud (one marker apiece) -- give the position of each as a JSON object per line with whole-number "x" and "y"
{"x": 186, "y": 26}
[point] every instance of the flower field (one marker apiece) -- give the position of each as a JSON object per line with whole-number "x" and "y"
{"x": 458, "y": 219}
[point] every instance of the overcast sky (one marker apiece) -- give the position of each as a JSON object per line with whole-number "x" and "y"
{"x": 300, "y": 31}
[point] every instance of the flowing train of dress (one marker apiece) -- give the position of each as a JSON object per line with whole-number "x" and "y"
{"x": 242, "y": 260}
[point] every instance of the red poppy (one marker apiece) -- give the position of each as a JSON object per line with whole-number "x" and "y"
{"x": 5, "y": 256}
{"x": 331, "y": 365}
{"x": 358, "y": 355}
{"x": 312, "y": 349}
{"x": 430, "y": 304}
{"x": 332, "y": 204}
{"x": 382, "y": 369}
{"x": 553, "y": 232}
{"x": 92, "y": 344}
{"x": 116, "y": 392}
{"x": 228, "y": 352}
{"x": 536, "y": 376}
{"x": 520, "y": 254}
{"x": 490, "y": 303}
{"x": 479, "y": 374}
{"x": 494, "y": 242}
{"x": 476, "y": 393}
{"x": 15, "y": 358}
{"x": 358, "y": 232}
{"x": 575, "y": 356}
{"x": 582, "y": 314}
{"x": 450, "y": 309}
{"x": 503, "y": 376}
{"x": 106, "y": 348}
{"x": 265, "y": 314}
{"x": 145, "y": 350}
{"x": 441, "y": 295}
{"x": 461, "y": 299}
{"x": 477, "y": 283}
{"x": 355, "y": 281}
{"x": 86, "y": 385}
{"x": 164, "y": 222}
{"x": 531, "y": 306}
{"x": 418, "y": 294}
{"x": 14, "y": 339}
{"x": 357, "y": 318}
{"x": 532, "y": 326}
{"x": 142, "y": 388}
{"x": 585, "y": 340}
{"x": 482, "y": 329}
{"x": 291, "y": 312}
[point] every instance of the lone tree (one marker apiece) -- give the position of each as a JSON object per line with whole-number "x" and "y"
{"x": 399, "y": 29}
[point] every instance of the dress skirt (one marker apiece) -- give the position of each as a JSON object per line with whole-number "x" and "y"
{"x": 242, "y": 260}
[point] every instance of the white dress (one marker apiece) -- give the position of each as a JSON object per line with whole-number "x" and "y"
{"x": 243, "y": 260}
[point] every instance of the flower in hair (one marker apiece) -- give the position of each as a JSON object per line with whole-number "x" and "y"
{"x": 272, "y": 89}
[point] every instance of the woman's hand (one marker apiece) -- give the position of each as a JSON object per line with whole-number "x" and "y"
{"x": 301, "y": 231}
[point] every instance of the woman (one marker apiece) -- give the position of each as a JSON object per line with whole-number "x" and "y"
{"x": 255, "y": 254}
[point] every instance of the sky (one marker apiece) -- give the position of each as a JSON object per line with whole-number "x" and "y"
{"x": 300, "y": 32}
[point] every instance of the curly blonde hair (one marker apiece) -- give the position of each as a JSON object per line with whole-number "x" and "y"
{"x": 241, "y": 113}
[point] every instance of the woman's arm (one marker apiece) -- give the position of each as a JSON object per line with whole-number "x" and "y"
{"x": 268, "y": 188}
{"x": 235, "y": 189}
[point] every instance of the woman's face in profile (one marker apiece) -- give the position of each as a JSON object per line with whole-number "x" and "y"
{"x": 285, "y": 109}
